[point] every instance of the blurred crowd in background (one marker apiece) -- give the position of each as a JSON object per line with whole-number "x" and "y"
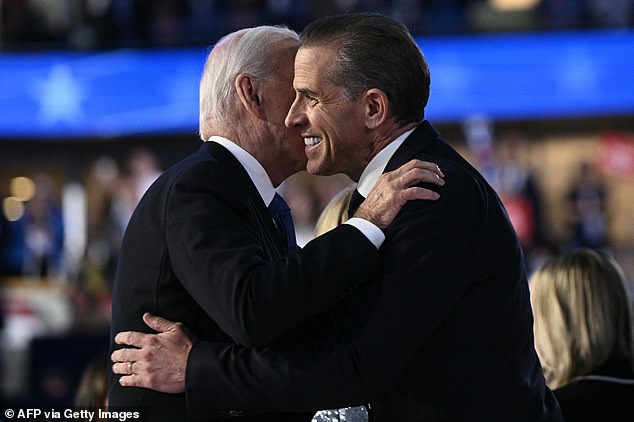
{"x": 561, "y": 192}
{"x": 107, "y": 24}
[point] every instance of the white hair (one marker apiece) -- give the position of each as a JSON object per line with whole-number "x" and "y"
{"x": 245, "y": 51}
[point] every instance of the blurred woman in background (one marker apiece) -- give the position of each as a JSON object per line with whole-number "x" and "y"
{"x": 583, "y": 335}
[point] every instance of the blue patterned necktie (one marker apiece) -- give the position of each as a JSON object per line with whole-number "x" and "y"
{"x": 281, "y": 214}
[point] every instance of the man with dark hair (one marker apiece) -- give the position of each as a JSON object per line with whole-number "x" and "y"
{"x": 445, "y": 332}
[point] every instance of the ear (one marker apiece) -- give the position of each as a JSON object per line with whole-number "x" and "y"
{"x": 377, "y": 108}
{"x": 248, "y": 92}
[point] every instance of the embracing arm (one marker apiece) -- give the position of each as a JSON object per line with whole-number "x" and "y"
{"x": 217, "y": 253}
{"x": 393, "y": 319}
{"x": 159, "y": 358}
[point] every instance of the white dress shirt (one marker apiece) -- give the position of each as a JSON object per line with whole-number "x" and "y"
{"x": 265, "y": 187}
{"x": 368, "y": 179}
{"x": 376, "y": 166}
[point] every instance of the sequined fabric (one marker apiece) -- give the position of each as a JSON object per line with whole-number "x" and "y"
{"x": 347, "y": 414}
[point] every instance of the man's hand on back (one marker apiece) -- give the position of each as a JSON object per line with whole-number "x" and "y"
{"x": 156, "y": 361}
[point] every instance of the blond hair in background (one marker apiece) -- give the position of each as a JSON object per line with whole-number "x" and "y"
{"x": 583, "y": 315}
{"x": 336, "y": 212}
{"x": 93, "y": 387}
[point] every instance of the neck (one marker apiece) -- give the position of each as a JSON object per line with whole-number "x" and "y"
{"x": 383, "y": 139}
{"x": 386, "y": 139}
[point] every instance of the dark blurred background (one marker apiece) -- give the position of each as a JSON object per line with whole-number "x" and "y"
{"x": 97, "y": 97}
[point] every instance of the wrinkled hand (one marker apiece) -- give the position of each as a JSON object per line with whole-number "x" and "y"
{"x": 394, "y": 189}
{"x": 157, "y": 361}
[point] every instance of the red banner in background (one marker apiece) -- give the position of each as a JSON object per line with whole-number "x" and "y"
{"x": 616, "y": 155}
{"x": 522, "y": 217}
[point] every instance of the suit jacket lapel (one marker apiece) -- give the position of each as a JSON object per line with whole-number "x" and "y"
{"x": 272, "y": 240}
{"x": 239, "y": 175}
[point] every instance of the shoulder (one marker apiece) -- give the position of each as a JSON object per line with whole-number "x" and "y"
{"x": 206, "y": 167}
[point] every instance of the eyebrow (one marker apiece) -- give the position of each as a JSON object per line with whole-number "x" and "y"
{"x": 306, "y": 91}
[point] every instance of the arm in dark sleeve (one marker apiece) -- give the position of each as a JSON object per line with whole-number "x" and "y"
{"x": 216, "y": 249}
{"x": 390, "y": 323}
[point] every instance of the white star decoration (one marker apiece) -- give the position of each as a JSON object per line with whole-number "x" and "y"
{"x": 59, "y": 97}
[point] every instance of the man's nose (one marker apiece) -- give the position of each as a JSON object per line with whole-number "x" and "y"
{"x": 295, "y": 116}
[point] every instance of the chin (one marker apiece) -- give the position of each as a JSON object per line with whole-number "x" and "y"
{"x": 313, "y": 170}
{"x": 321, "y": 172}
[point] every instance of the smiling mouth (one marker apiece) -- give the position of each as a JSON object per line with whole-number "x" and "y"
{"x": 312, "y": 141}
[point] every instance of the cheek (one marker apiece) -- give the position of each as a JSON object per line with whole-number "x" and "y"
{"x": 339, "y": 130}
{"x": 331, "y": 125}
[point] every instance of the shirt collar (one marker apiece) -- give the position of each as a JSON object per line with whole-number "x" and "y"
{"x": 376, "y": 166}
{"x": 254, "y": 169}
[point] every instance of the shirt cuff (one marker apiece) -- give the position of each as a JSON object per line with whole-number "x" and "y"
{"x": 369, "y": 230}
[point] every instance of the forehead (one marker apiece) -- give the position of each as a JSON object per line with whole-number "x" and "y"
{"x": 312, "y": 63}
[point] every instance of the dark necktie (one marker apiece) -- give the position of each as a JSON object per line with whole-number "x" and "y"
{"x": 355, "y": 201}
{"x": 281, "y": 214}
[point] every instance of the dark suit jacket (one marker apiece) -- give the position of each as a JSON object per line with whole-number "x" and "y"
{"x": 445, "y": 334}
{"x": 604, "y": 394}
{"x": 201, "y": 248}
